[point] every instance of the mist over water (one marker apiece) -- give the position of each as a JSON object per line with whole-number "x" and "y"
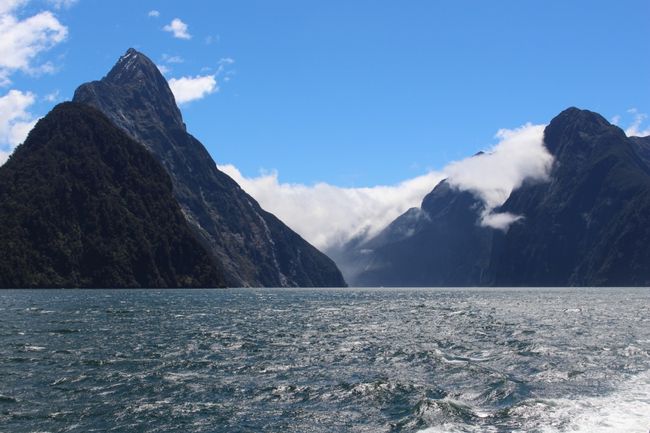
{"x": 403, "y": 360}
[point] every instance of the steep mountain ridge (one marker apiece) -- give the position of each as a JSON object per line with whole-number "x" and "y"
{"x": 255, "y": 248}
{"x": 83, "y": 205}
{"x": 587, "y": 226}
{"x": 642, "y": 148}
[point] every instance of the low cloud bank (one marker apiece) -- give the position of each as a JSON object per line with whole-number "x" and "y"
{"x": 328, "y": 216}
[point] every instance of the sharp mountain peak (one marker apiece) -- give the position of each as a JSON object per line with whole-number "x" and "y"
{"x": 135, "y": 83}
{"x": 255, "y": 248}
{"x": 133, "y": 65}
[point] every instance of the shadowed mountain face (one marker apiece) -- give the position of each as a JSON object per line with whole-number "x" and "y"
{"x": 589, "y": 225}
{"x": 256, "y": 248}
{"x": 438, "y": 244}
{"x": 642, "y": 147}
{"x": 83, "y": 205}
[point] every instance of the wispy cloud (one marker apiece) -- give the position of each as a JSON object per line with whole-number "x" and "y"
{"x": 172, "y": 59}
{"x": 15, "y": 121}
{"x": 59, "y": 4}
{"x": 635, "y": 129}
{"x": 209, "y": 40}
{"x": 224, "y": 68}
{"x": 52, "y": 97}
{"x": 187, "y": 89}
{"x": 163, "y": 69}
{"x": 153, "y": 13}
{"x": 178, "y": 28}
{"x": 23, "y": 40}
{"x": 224, "y": 63}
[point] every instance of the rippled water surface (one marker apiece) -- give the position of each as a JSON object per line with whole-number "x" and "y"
{"x": 432, "y": 360}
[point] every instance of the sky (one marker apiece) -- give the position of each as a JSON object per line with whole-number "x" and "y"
{"x": 367, "y": 98}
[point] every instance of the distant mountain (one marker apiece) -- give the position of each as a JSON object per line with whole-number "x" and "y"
{"x": 589, "y": 225}
{"x": 438, "y": 244}
{"x": 255, "y": 248}
{"x": 83, "y": 205}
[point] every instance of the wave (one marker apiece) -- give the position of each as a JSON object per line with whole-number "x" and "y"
{"x": 626, "y": 410}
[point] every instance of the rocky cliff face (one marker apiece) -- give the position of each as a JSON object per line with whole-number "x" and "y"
{"x": 255, "y": 248}
{"x": 590, "y": 225}
{"x": 83, "y": 205}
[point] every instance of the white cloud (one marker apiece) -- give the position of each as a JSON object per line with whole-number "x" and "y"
{"x": 224, "y": 63}
{"x": 499, "y": 221}
{"x": 52, "y": 97}
{"x": 153, "y": 13}
{"x": 21, "y": 41}
{"x": 172, "y": 59}
{"x": 186, "y": 89}
{"x": 15, "y": 121}
{"x": 328, "y": 215}
{"x": 163, "y": 69}
{"x": 211, "y": 39}
{"x": 178, "y": 28}
{"x": 58, "y": 4}
{"x": 635, "y": 130}
{"x": 8, "y": 6}
{"x": 519, "y": 156}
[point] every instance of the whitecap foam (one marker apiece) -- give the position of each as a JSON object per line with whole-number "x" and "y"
{"x": 626, "y": 410}
{"x": 34, "y": 348}
{"x": 451, "y": 428}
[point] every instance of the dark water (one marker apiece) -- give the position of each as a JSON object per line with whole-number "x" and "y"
{"x": 325, "y": 361}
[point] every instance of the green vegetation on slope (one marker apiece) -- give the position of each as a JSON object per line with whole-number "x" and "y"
{"x": 83, "y": 205}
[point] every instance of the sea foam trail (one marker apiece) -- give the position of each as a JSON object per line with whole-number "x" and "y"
{"x": 626, "y": 410}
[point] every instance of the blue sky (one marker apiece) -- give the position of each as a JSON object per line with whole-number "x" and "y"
{"x": 358, "y": 93}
